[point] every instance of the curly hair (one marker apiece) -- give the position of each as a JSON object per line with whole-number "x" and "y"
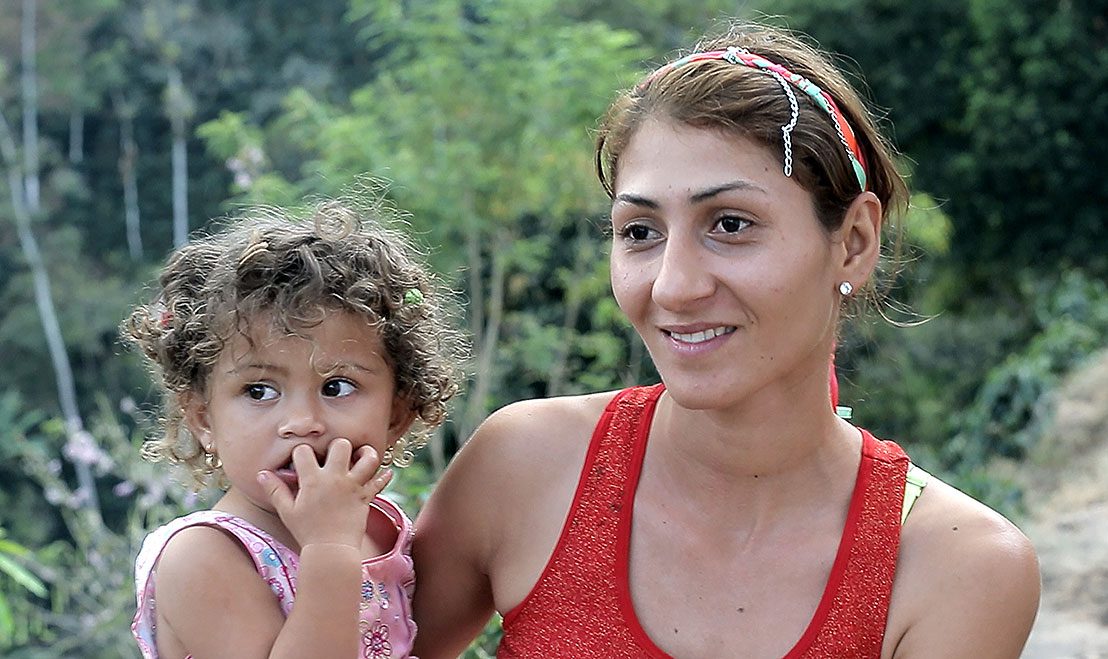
{"x": 295, "y": 270}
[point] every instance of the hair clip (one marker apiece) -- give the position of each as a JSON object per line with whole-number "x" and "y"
{"x": 413, "y": 296}
{"x": 163, "y": 315}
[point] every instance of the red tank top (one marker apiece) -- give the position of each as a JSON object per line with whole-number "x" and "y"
{"x": 581, "y": 605}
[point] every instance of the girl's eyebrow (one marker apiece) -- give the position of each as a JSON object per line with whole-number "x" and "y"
{"x": 238, "y": 368}
{"x": 335, "y": 367}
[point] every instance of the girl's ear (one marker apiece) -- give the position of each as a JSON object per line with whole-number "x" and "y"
{"x": 401, "y": 418}
{"x": 861, "y": 239}
{"x": 197, "y": 419}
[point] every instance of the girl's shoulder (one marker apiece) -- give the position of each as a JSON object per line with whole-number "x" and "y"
{"x": 965, "y": 573}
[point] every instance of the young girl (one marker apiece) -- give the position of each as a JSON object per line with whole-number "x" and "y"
{"x": 295, "y": 357}
{"x": 727, "y": 511}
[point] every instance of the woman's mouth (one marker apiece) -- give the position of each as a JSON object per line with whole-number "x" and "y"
{"x": 700, "y": 336}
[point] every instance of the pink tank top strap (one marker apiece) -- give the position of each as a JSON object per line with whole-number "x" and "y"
{"x": 275, "y": 563}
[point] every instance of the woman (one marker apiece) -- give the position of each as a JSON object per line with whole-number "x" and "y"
{"x": 727, "y": 512}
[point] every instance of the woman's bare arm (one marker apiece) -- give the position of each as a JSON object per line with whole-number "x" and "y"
{"x": 971, "y": 583}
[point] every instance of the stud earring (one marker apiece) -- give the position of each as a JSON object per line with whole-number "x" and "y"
{"x": 846, "y": 288}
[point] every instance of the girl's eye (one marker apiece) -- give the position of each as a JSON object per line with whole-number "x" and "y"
{"x": 258, "y": 391}
{"x": 338, "y": 387}
{"x": 731, "y": 224}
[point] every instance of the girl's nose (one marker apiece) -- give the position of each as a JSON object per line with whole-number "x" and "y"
{"x": 683, "y": 276}
{"x": 302, "y": 418}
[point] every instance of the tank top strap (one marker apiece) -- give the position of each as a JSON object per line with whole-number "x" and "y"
{"x": 850, "y": 620}
{"x": 275, "y": 563}
{"x": 583, "y": 566}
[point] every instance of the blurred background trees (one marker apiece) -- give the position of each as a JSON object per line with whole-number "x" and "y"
{"x": 133, "y": 122}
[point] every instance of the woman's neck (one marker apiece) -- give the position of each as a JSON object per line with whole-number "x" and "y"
{"x": 775, "y": 451}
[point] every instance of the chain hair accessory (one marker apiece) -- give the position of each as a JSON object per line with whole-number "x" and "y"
{"x": 743, "y": 57}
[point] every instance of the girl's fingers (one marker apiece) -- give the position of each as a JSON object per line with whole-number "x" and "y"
{"x": 280, "y": 497}
{"x": 365, "y": 464}
{"x": 304, "y": 459}
{"x": 338, "y": 454}
{"x": 375, "y": 485}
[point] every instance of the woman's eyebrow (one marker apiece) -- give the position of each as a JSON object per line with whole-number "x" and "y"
{"x": 694, "y": 198}
{"x": 637, "y": 200}
{"x": 708, "y": 193}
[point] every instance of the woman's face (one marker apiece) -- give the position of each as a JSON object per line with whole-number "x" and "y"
{"x": 719, "y": 262}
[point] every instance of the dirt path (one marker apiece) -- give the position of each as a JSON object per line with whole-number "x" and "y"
{"x": 1068, "y": 490}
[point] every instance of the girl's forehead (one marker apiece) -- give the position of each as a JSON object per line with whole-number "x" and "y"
{"x": 337, "y": 337}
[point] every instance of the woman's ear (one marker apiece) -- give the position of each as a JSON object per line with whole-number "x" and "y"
{"x": 861, "y": 239}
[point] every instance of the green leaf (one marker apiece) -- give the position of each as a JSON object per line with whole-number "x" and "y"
{"x": 22, "y": 576}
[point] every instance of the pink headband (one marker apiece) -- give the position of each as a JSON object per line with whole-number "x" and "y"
{"x": 786, "y": 78}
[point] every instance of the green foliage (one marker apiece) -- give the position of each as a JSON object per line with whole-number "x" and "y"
{"x": 478, "y": 114}
{"x": 964, "y": 390}
{"x": 1001, "y": 105}
{"x": 90, "y": 599}
{"x": 15, "y": 580}
{"x": 1008, "y": 413}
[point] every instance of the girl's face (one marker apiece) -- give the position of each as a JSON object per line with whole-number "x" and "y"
{"x": 266, "y": 397}
{"x": 719, "y": 262}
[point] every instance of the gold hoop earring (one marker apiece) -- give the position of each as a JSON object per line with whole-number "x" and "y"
{"x": 398, "y": 454}
{"x": 212, "y": 461}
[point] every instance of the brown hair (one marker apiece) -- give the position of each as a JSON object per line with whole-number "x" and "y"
{"x": 750, "y": 103}
{"x": 293, "y": 270}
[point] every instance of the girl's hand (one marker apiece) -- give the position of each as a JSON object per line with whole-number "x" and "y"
{"x": 333, "y": 498}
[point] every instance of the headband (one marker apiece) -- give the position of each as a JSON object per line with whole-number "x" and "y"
{"x": 787, "y": 79}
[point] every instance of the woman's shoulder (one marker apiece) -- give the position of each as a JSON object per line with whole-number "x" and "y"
{"x": 536, "y": 415}
{"x": 965, "y": 573}
{"x": 521, "y": 445}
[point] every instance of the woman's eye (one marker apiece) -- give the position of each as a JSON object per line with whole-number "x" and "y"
{"x": 638, "y": 232}
{"x": 338, "y": 387}
{"x": 258, "y": 391}
{"x": 732, "y": 224}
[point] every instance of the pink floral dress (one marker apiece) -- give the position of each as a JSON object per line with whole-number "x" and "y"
{"x": 386, "y": 624}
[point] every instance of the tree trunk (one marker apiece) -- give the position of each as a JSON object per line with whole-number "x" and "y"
{"x": 30, "y": 107}
{"x": 44, "y": 302}
{"x": 128, "y": 156}
{"x": 76, "y": 136}
{"x": 178, "y": 110}
{"x": 583, "y": 258}
{"x": 486, "y": 349}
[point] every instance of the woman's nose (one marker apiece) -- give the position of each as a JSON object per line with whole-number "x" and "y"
{"x": 683, "y": 276}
